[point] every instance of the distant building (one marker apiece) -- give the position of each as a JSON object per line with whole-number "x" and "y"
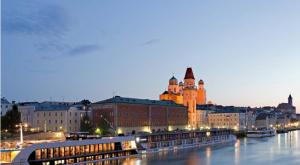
{"x": 288, "y": 108}
{"x": 5, "y": 106}
{"x": 187, "y": 94}
{"x": 202, "y": 115}
{"x": 232, "y": 119}
{"x": 50, "y": 116}
{"x": 26, "y": 110}
{"x": 265, "y": 120}
{"x": 128, "y": 115}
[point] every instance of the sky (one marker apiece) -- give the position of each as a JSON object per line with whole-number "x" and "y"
{"x": 247, "y": 52}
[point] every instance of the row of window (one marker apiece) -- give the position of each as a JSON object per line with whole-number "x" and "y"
{"x": 56, "y": 122}
{"x": 91, "y": 158}
{"x": 49, "y": 153}
{"x": 49, "y": 114}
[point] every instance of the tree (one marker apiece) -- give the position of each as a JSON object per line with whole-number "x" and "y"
{"x": 85, "y": 124}
{"x": 11, "y": 119}
{"x": 105, "y": 128}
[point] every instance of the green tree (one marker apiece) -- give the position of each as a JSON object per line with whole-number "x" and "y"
{"x": 85, "y": 124}
{"x": 11, "y": 119}
{"x": 105, "y": 127}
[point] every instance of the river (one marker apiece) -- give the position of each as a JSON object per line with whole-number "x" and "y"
{"x": 278, "y": 150}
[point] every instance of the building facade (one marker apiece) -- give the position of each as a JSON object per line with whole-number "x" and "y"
{"x": 61, "y": 117}
{"x": 187, "y": 94}
{"x": 227, "y": 119}
{"x": 128, "y": 115}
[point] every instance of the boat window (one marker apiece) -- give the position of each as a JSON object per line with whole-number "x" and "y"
{"x": 44, "y": 153}
{"x": 92, "y": 148}
{"x": 86, "y": 148}
{"x": 77, "y": 151}
{"x": 37, "y": 154}
{"x": 67, "y": 153}
{"x": 96, "y": 148}
{"x": 56, "y": 152}
{"x": 113, "y": 146}
{"x": 50, "y": 153}
{"x": 100, "y": 148}
{"x": 61, "y": 152}
{"x": 81, "y": 149}
{"x": 72, "y": 151}
{"x": 104, "y": 147}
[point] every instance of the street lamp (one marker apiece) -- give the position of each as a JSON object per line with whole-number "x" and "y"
{"x": 21, "y": 131}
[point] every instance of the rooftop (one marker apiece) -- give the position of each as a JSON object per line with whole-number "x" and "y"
{"x": 119, "y": 99}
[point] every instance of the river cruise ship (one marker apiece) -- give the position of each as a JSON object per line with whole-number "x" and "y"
{"x": 261, "y": 133}
{"x": 161, "y": 141}
{"x": 77, "y": 151}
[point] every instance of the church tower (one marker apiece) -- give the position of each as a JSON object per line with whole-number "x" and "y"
{"x": 290, "y": 99}
{"x": 201, "y": 93}
{"x": 190, "y": 97}
{"x": 173, "y": 85}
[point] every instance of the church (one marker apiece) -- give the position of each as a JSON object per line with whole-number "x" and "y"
{"x": 187, "y": 94}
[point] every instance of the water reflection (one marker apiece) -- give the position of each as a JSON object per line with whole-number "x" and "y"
{"x": 279, "y": 150}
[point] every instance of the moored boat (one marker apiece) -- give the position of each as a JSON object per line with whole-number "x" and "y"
{"x": 261, "y": 133}
{"x": 161, "y": 141}
{"x": 77, "y": 152}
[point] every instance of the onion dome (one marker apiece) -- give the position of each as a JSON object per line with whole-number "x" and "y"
{"x": 180, "y": 83}
{"x": 201, "y": 82}
{"x": 173, "y": 81}
{"x": 189, "y": 74}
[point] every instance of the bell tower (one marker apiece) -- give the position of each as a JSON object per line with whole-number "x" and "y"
{"x": 190, "y": 97}
{"x": 201, "y": 93}
{"x": 290, "y": 99}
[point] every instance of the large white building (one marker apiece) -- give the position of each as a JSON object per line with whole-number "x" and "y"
{"x": 58, "y": 117}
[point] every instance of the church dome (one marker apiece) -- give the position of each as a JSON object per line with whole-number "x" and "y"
{"x": 180, "y": 83}
{"x": 173, "y": 81}
{"x": 201, "y": 82}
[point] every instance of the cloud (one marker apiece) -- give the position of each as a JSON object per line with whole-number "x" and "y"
{"x": 47, "y": 24}
{"x": 150, "y": 42}
{"x": 83, "y": 49}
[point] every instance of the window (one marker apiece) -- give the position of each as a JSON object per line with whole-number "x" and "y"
{"x": 55, "y": 113}
{"x": 67, "y": 153}
{"x": 70, "y": 121}
{"x": 44, "y": 153}
{"x": 50, "y": 153}
{"x": 44, "y": 114}
{"x": 56, "y": 152}
{"x": 61, "y": 152}
{"x": 37, "y": 154}
{"x": 49, "y": 121}
{"x": 75, "y": 121}
{"x": 60, "y": 113}
{"x": 49, "y": 113}
{"x": 61, "y": 121}
{"x": 75, "y": 113}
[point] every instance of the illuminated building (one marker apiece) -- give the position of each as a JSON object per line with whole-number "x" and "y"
{"x": 130, "y": 115}
{"x": 231, "y": 119}
{"x": 188, "y": 94}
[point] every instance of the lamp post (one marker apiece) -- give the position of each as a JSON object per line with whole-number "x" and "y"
{"x": 21, "y": 131}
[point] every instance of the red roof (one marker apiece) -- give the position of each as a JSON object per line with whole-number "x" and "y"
{"x": 189, "y": 74}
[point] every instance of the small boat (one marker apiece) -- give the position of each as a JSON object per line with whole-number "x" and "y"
{"x": 261, "y": 133}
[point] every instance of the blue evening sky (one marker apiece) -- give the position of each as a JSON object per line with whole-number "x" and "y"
{"x": 247, "y": 52}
